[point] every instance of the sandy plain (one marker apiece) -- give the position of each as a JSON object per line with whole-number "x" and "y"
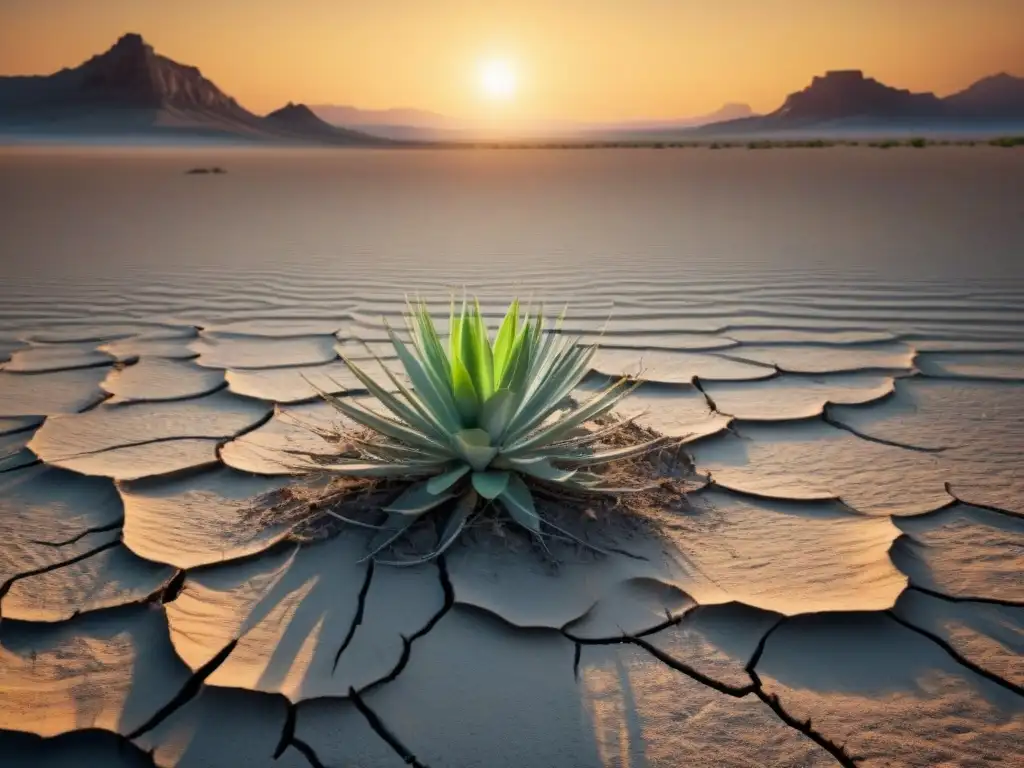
{"x": 838, "y": 333}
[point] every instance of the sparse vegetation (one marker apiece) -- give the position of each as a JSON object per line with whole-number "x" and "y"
{"x": 1008, "y": 141}
{"x": 916, "y": 142}
{"x": 485, "y": 426}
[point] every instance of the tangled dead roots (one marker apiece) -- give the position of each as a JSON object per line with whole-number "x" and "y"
{"x": 320, "y": 505}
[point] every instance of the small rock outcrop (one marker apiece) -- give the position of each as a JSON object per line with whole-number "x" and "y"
{"x": 299, "y": 119}
{"x": 297, "y": 115}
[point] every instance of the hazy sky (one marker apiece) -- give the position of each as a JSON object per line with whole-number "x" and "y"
{"x": 577, "y": 59}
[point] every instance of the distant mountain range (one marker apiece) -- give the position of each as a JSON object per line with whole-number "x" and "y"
{"x": 361, "y": 118}
{"x": 416, "y": 124}
{"x": 130, "y": 90}
{"x": 846, "y": 100}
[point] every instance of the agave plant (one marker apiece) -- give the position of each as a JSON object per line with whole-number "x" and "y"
{"x": 483, "y": 421}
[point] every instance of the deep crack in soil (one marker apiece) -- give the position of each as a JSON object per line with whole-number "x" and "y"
{"x": 382, "y": 730}
{"x": 357, "y": 619}
{"x": 188, "y": 691}
{"x": 6, "y": 586}
{"x": 957, "y": 656}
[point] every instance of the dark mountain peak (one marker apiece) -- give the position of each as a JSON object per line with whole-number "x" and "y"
{"x": 123, "y": 73}
{"x": 298, "y": 119}
{"x": 848, "y": 76}
{"x": 995, "y": 83}
{"x": 131, "y": 74}
{"x": 131, "y": 41}
{"x": 1000, "y": 95}
{"x": 130, "y": 51}
{"x": 295, "y": 114}
{"x": 849, "y": 93}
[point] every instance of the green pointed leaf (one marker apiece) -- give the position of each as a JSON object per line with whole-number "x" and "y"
{"x": 475, "y": 353}
{"x": 480, "y": 323}
{"x": 517, "y": 372}
{"x": 406, "y": 413}
{"x": 443, "y": 421}
{"x": 435, "y": 394}
{"x": 385, "y": 426}
{"x": 416, "y": 500}
{"x": 464, "y": 509}
{"x": 518, "y": 362}
{"x": 374, "y": 469}
{"x": 601, "y": 403}
{"x": 547, "y": 351}
{"x": 446, "y": 480}
{"x": 545, "y": 399}
{"x": 490, "y": 485}
{"x": 460, "y": 515}
{"x": 504, "y": 341}
{"x": 541, "y": 468}
{"x": 496, "y": 413}
{"x": 561, "y": 317}
{"x": 562, "y": 380}
{"x": 455, "y": 332}
{"x": 390, "y": 451}
{"x": 451, "y": 330}
{"x": 467, "y": 401}
{"x": 484, "y": 354}
{"x": 518, "y": 501}
{"x": 467, "y": 347}
{"x": 614, "y": 454}
{"x": 535, "y": 404}
{"x": 430, "y": 342}
{"x": 474, "y": 445}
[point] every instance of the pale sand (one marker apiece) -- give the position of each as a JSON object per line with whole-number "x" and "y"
{"x": 839, "y": 336}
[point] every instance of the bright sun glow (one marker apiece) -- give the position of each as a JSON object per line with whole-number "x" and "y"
{"x": 497, "y": 79}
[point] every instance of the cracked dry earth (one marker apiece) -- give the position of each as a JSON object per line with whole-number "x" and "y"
{"x": 845, "y": 587}
{"x": 839, "y": 333}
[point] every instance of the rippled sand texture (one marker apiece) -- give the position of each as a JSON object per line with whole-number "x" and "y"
{"x": 837, "y": 334}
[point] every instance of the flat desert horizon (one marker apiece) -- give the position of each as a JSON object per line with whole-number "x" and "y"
{"x": 832, "y": 339}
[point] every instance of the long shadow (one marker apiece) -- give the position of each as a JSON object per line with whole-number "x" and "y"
{"x": 116, "y": 668}
{"x": 86, "y": 748}
{"x": 868, "y": 656}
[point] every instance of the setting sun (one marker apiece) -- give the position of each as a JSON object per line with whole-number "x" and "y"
{"x": 497, "y": 79}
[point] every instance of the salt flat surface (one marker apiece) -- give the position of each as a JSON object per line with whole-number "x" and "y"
{"x": 837, "y": 334}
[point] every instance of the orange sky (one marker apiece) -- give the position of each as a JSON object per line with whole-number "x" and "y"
{"x": 576, "y": 59}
